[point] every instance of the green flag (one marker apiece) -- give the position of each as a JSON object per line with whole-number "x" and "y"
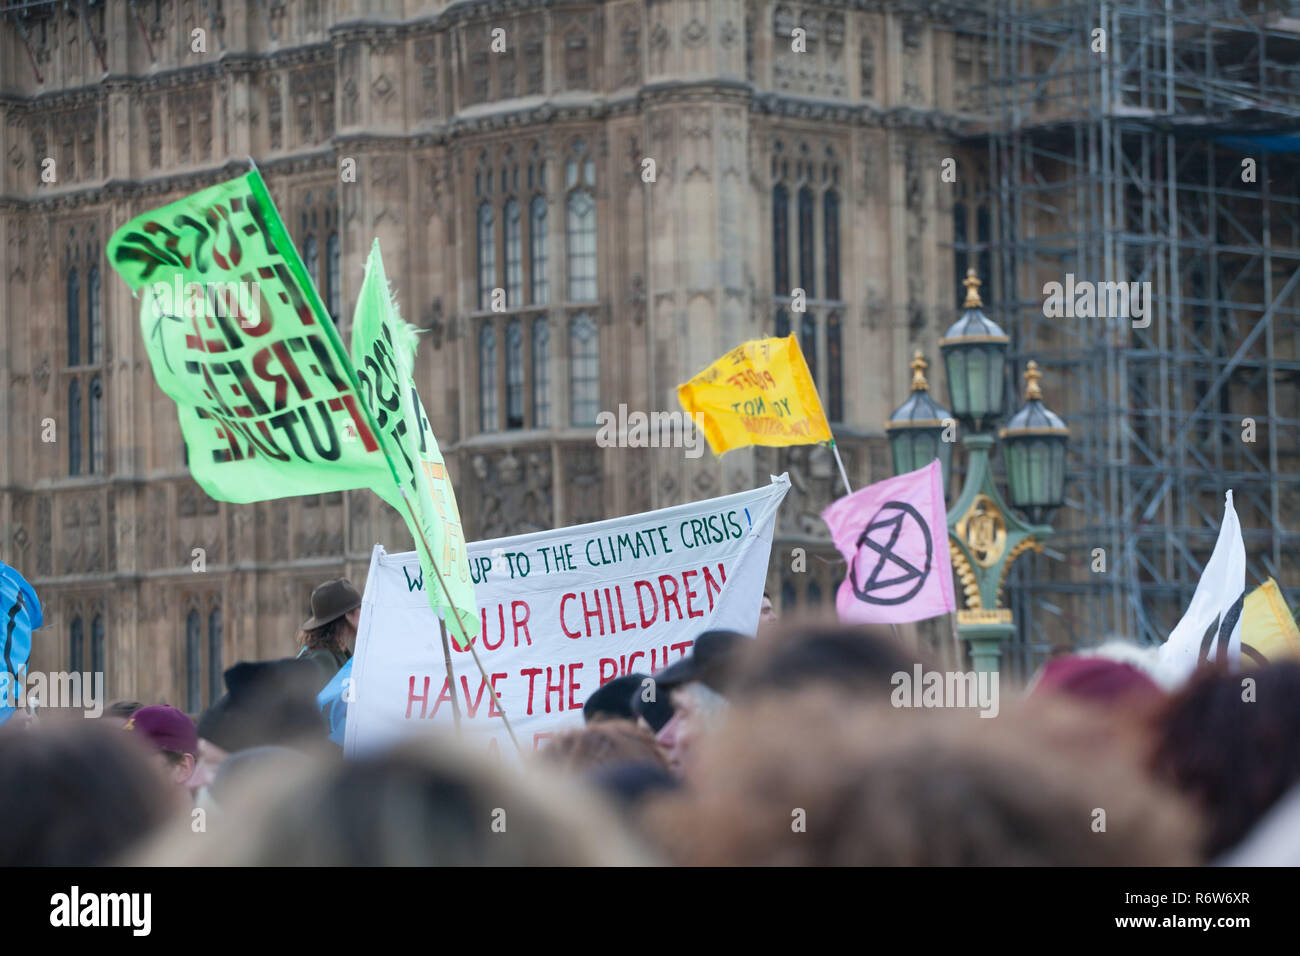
{"x": 383, "y": 353}
{"x": 239, "y": 339}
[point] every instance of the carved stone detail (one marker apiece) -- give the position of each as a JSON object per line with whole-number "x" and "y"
{"x": 510, "y": 496}
{"x": 812, "y": 488}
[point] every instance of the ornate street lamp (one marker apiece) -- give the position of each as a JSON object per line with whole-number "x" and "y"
{"x": 1033, "y": 443}
{"x": 975, "y": 354}
{"x": 916, "y": 428}
{"x": 985, "y": 535}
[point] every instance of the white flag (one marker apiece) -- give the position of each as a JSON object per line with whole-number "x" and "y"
{"x": 1213, "y": 620}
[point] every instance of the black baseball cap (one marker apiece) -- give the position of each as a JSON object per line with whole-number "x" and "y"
{"x": 712, "y": 662}
{"x": 614, "y": 698}
{"x": 656, "y": 712}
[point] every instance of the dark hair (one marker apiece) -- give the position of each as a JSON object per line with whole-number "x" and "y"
{"x": 122, "y": 708}
{"x": 175, "y": 757}
{"x": 267, "y": 702}
{"x": 1234, "y": 754}
{"x": 607, "y": 742}
{"x": 855, "y": 659}
{"x": 328, "y": 636}
{"x": 76, "y": 794}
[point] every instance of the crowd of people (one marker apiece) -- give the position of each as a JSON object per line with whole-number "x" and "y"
{"x": 787, "y": 748}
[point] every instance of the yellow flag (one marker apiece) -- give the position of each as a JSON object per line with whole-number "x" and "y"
{"x": 759, "y": 393}
{"x": 1268, "y": 631}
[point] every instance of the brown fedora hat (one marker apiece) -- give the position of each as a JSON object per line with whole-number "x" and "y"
{"x": 330, "y": 601}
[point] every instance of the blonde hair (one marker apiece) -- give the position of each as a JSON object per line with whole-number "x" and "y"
{"x": 874, "y": 786}
{"x": 426, "y": 802}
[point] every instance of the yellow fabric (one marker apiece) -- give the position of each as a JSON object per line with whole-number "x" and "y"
{"x": 1267, "y": 627}
{"x": 759, "y": 393}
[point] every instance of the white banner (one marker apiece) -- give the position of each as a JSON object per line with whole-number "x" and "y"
{"x": 562, "y": 612}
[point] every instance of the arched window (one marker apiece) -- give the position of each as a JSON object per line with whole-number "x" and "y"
{"x": 584, "y": 370}
{"x": 96, "y": 344}
{"x": 789, "y": 597}
{"x": 96, "y": 426}
{"x": 193, "y": 664}
{"x": 541, "y": 373}
{"x": 514, "y": 256}
{"x": 333, "y": 292}
{"x": 487, "y": 254}
{"x": 807, "y": 277}
{"x": 814, "y": 593}
{"x": 780, "y": 240}
{"x": 97, "y": 644}
{"x": 808, "y": 342}
{"x": 782, "y": 323}
{"x": 537, "y": 250}
{"x": 311, "y": 259}
{"x": 215, "y": 668}
{"x": 834, "y": 369}
{"x": 831, "y": 225}
{"x": 74, "y": 318}
{"x": 74, "y": 427}
{"x": 487, "y": 377}
{"x": 582, "y": 247}
{"x": 514, "y": 374}
{"x": 76, "y": 646}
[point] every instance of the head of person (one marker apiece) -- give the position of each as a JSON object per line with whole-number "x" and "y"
{"x": 600, "y": 744}
{"x": 817, "y": 779}
{"x": 1097, "y": 680}
{"x": 335, "y": 616}
{"x": 696, "y": 687}
{"x": 857, "y": 659}
{"x": 266, "y": 703}
{"x": 77, "y": 793}
{"x": 171, "y": 734}
{"x": 766, "y": 613}
{"x": 613, "y": 699}
{"x": 120, "y": 711}
{"x": 439, "y": 804}
{"x": 1232, "y": 747}
{"x": 650, "y": 709}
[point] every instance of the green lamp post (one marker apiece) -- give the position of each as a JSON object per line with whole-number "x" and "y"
{"x": 985, "y": 536}
{"x": 916, "y": 429}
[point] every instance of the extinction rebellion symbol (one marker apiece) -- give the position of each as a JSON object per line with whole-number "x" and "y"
{"x": 893, "y": 579}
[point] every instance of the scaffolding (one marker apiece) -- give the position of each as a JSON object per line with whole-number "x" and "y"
{"x": 1163, "y": 150}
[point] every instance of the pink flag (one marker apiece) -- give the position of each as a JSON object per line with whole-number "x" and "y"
{"x": 894, "y": 535}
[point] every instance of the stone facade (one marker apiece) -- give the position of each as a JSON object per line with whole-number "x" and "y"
{"x": 439, "y": 126}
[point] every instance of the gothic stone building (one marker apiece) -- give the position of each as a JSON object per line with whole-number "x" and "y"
{"x": 523, "y": 166}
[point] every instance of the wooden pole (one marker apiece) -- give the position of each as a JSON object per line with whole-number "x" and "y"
{"x": 460, "y": 627}
{"x": 451, "y": 678}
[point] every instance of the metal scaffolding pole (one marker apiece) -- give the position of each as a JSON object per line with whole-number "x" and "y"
{"x": 1128, "y": 166}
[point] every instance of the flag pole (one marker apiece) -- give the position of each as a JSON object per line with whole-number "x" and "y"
{"x": 456, "y": 616}
{"x": 839, "y": 461}
{"x": 451, "y": 679}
